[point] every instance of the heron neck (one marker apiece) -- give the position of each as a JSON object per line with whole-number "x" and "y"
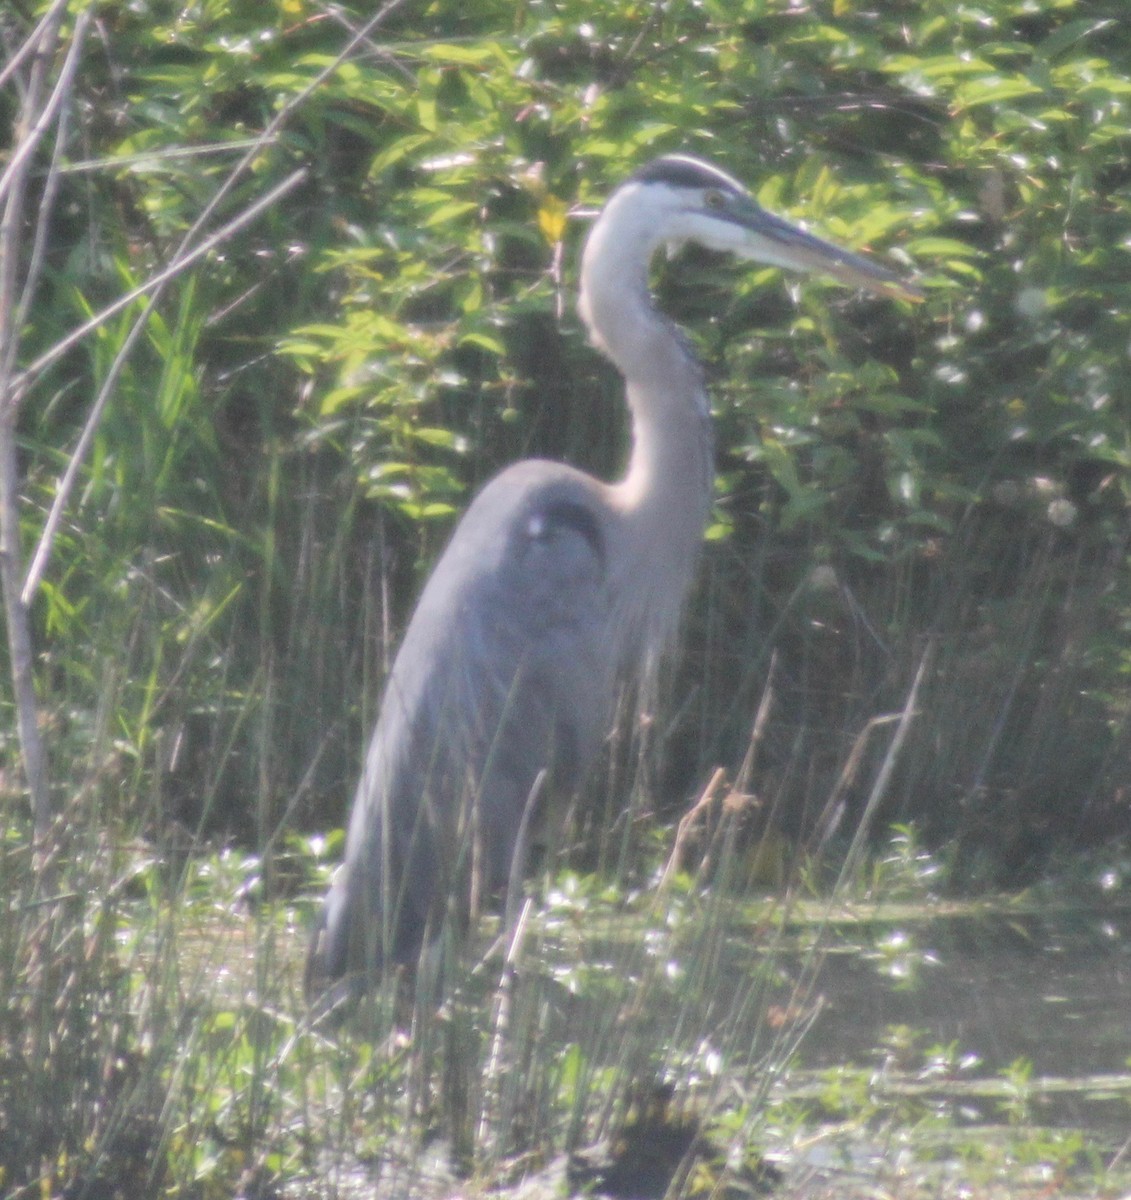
{"x": 665, "y": 495}
{"x": 664, "y": 498}
{"x": 670, "y": 469}
{"x": 670, "y": 414}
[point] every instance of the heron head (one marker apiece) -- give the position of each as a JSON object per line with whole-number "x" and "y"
{"x": 693, "y": 201}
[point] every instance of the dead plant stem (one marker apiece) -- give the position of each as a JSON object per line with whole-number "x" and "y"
{"x": 40, "y": 102}
{"x": 883, "y": 778}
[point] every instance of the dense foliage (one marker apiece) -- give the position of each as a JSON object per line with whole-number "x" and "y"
{"x": 289, "y": 433}
{"x": 283, "y": 451}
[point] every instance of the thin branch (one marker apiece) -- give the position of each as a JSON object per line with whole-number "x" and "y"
{"x": 880, "y": 787}
{"x": 39, "y": 243}
{"x": 31, "y": 124}
{"x": 171, "y": 154}
{"x": 29, "y": 142}
{"x": 49, "y": 23}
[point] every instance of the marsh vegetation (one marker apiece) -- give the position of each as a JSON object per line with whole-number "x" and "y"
{"x": 279, "y": 287}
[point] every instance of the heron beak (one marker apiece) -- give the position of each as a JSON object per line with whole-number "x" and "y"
{"x": 769, "y": 239}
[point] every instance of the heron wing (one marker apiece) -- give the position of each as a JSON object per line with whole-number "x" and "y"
{"x": 505, "y": 670}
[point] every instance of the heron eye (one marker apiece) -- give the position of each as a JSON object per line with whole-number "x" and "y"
{"x": 713, "y": 199}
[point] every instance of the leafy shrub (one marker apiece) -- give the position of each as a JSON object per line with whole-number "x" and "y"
{"x": 311, "y": 406}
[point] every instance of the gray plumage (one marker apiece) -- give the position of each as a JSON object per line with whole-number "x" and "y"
{"x": 554, "y": 588}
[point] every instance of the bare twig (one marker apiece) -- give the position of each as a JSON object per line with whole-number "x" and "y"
{"x": 34, "y": 269}
{"x": 765, "y": 707}
{"x": 686, "y": 824}
{"x": 521, "y": 850}
{"x": 735, "y": 795}
{"x": 38, "y": 106}
{"x": 879, "y": 788}
{"x": 501, "y": 1011}
{"x": 49, "y": 24}
{"x": 30, "y": 137}
{"x": 833, "y": 812}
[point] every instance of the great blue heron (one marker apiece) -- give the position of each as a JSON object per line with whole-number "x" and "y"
{"x": 554, "y": 588}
